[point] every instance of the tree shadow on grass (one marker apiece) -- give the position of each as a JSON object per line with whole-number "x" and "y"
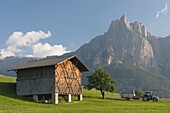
{"x": 106, "y": 98}
{"x": 115, "y": 99}
{"x": 92, "y": 97}
{"x": 8, "y": 89}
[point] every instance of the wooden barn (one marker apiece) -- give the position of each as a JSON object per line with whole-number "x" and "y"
{"x": 50, "y": 77}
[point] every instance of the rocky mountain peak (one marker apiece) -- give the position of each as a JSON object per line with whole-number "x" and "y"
{"x": 140, "y": 28}
{"x": 125, "y": 21}
{"x": 123, "y": 24}
{"x": 124, "y": 42}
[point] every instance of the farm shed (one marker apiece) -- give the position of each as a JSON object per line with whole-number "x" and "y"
{"x": 52, "y": 77}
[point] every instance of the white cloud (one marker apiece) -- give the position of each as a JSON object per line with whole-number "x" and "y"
{"x": 19, "y": 39}
{"x": 157, "y": 14}
{"x": 4, "y": 53}
{"x": 29, "y": 56}
{"x": 29, "y": 45}
{"x": 42, "y": 50}
{"x": 162, "y": 11}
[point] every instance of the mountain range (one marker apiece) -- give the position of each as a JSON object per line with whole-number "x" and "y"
{"x": 134, "y": 57}
{"x": 127, "y": 42}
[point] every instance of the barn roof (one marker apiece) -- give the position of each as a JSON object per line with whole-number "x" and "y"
{"x": 51, "y": 62}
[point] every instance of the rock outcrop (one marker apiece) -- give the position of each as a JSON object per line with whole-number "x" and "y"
{"x": 123, "y": 42}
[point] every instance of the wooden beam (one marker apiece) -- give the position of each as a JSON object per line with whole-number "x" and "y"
{"x": 35, "y": 97}
{"x": 55, "y": 98}
{"x": 69, "y": 97}
{"x": 80, "y": 97}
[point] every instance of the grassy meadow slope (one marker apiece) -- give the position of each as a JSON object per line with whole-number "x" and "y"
{"x": 92, "y": 103}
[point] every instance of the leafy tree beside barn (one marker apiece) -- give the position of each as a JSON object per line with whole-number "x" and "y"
{"x": 101, "y": 80}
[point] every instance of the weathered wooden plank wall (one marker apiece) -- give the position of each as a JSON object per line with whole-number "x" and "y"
{"x": 38, "y": 72}
{"x": 68, "y": 79}
{"x": 36, "y": 81}
{"x": 35, "y": 86}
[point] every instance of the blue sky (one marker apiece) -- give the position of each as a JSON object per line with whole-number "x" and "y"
{"x": 53, "y": 27}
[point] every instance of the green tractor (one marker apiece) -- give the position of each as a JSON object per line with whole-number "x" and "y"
{"x": 148, "y": 95}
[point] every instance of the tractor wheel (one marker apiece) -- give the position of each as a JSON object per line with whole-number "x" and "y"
{"x": 155, "y": 100}
{"x": 127, "y": 98}
{"x": 145, "y": 98}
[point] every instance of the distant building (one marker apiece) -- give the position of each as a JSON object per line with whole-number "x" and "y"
{"x": 50, "y": 77}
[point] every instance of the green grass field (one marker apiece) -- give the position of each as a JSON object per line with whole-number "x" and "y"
{"x": 92, "y": 103}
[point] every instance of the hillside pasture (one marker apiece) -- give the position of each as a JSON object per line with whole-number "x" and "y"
{"x": 92, "y": 103}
